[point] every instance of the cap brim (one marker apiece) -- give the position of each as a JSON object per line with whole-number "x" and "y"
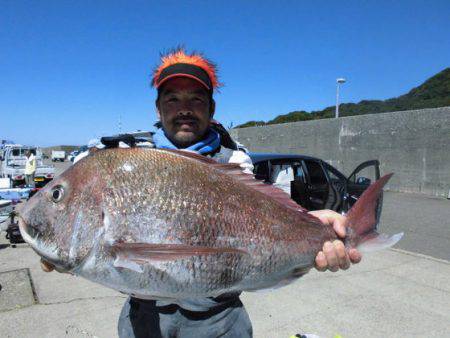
{"x": 190, "y": 76}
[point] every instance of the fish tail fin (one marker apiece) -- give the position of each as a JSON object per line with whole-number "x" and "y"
{"x": 361, "y": 218}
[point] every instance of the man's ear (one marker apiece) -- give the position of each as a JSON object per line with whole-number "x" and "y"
{"x": 212, "y": 109}
{"x": 158, "y": 113}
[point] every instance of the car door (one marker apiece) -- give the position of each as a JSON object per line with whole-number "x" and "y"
{"x": 364, "y": 175}
{"x": 359, "y": 180}
{"x": 337, "y": 188}
{"x": 317, "y": 186}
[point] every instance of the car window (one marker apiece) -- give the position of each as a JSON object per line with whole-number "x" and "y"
{"x": 281, "y": 176}
{"x": 316, "y": 173}
{"x": 333, "y": 176}
{"x": 22, "y": 151}
{"x": 365, "y": 176}
{"x": 299, "y": 174}
{"x": 281, "y": 173}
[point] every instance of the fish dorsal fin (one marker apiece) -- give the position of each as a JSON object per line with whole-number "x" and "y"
{"x": 234, "y": 170}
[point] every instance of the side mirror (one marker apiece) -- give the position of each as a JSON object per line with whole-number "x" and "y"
{"x": 363, "y": 181}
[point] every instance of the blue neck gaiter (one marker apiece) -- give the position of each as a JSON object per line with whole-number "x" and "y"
{"x": 205, "y": 146}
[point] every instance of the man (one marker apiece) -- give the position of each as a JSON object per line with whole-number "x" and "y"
{"x": 185, "y": 108}
{"x": 30, "y": 169}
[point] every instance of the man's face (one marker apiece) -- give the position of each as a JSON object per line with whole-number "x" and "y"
{"x": 185, "y": 110}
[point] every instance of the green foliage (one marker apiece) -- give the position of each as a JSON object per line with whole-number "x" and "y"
{"x": 292, "y": 117}
{"x": 251, "y": 124}
{"x": 433, "y": 93}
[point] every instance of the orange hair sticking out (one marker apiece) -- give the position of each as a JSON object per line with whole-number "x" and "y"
{"x": 180, "y": 56}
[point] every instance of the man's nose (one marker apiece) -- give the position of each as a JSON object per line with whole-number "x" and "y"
{"x": 185, "y": 109}
{"x": 184, "y": 112}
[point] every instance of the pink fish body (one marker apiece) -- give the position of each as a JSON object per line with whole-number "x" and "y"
{"x": 160, "y": 223}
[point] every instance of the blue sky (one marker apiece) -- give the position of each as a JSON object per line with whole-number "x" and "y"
{"x": 70, "y": 69}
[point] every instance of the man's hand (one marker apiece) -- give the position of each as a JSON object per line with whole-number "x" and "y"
{"x": 333, "y": 255}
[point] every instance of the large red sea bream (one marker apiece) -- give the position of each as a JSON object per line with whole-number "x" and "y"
{"x": 161, "y": 223}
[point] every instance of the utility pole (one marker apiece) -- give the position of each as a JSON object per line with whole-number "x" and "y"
{"x": 338, "y": 82}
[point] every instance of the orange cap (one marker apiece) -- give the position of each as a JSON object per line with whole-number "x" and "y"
{"x": 178, "y": 63}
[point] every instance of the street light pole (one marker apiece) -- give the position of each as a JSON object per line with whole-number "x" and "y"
{"x": 338, "y": 82}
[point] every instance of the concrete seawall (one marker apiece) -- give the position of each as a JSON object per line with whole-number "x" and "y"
{"x": 415, "y": 145}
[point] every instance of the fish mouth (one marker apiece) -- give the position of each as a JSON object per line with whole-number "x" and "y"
{"x": 29, "y": 234}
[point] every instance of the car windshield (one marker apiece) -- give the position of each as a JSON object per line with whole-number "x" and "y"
{"x": 22, "y": 151}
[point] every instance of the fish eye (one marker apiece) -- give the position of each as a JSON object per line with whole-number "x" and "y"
{"x": 57, "y": 193}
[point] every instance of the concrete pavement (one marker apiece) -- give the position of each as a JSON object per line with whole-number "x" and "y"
{"x": 424, "y": 220}
{"x": 394, "y": 293}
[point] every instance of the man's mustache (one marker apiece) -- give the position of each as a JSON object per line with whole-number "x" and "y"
{"x": 184, "y": 119}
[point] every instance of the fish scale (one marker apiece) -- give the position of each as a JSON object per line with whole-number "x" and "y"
{"x": 172, "y": 224}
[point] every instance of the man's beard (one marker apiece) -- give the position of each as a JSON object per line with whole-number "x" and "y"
{"x": 184, "y": 139}
{"x": 188, "y": 136}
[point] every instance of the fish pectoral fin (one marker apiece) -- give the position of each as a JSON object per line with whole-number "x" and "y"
{"x": 120, "y": 262}
{"x": 141, "y": 253}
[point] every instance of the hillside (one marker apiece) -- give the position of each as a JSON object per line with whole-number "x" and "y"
{"x": 434, "y": 92}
